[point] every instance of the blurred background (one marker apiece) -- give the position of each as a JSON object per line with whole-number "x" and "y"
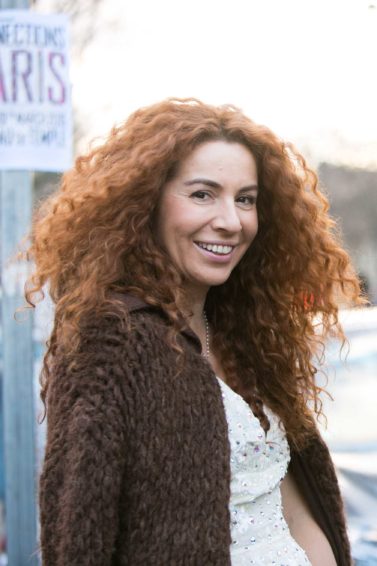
{"x": 306, "y": 69}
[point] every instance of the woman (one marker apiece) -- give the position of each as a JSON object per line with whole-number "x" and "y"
{"x": 189, "y": 258}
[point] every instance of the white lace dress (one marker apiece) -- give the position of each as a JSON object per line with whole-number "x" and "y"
{"x": 259, "y": 462}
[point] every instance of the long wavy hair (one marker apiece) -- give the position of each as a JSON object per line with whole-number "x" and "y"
{"x": 95, "y": 236}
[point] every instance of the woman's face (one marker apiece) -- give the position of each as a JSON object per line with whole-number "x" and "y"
{"x": 207, "y": 215}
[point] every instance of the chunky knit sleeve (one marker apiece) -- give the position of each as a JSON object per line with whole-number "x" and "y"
{"x": 85, "y": 455}
{"x": 316, "y": 477}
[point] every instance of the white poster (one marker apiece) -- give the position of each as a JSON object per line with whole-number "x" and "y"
{"x": 35, "y": 97}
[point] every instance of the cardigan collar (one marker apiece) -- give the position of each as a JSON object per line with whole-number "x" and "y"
{"x": 135, "y": 304}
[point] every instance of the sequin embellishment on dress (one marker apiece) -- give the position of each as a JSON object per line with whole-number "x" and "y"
{"x": 259, "y": 462}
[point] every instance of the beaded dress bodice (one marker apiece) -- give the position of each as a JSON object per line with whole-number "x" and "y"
{"x": 259, "y": 462}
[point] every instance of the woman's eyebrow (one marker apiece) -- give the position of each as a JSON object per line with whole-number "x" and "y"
{"x": 249, "y": 188}
{"x": 215, "y": 185}
{"x": 202, "y": 181}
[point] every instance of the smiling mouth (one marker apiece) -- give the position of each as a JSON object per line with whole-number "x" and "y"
{"x": 218, "y": 249}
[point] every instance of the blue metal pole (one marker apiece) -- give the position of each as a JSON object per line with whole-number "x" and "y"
{"x": 18, "y": 391}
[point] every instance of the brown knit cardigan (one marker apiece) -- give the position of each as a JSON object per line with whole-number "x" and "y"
{"x": 137, "y": 463}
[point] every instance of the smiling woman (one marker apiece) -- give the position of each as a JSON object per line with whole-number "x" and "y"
{"x": 207, "y": 213}
{"x": 178, "y": 381}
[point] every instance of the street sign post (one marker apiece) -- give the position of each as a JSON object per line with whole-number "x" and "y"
{"x": 35, "y": 134}
{"x": 18, "y": 395}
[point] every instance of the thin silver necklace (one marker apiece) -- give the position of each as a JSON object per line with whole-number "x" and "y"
{"x": 207, "y": 352}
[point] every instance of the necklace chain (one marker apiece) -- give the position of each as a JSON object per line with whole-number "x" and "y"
{"x": 207, "y": 352}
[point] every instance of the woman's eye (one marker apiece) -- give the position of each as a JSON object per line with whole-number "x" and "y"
{"x": 201, "y": 195}
{"x": 247, "y": 200}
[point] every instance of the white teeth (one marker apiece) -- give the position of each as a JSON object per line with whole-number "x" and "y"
{"x": 217, "y": 249}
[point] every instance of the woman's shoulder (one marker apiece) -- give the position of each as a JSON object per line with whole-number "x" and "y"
{"x": 137, "y": 321}
{"x": 127, "y": 331}
{"x": 125, "y": 345}
{"x": 114, "y": 352}
{"x": 125, "y": 320}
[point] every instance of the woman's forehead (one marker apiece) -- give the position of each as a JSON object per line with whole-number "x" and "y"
{"x": 218, "y": 157}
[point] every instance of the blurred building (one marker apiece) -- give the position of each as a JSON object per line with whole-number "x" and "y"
{"x": 353, "y": 199}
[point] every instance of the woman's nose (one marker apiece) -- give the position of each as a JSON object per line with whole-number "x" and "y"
{"x": 227, "y": 218}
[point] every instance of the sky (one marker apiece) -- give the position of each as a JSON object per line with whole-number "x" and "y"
{"x": 305, "y": 68}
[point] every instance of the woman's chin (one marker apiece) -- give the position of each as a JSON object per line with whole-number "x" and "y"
{"x": 206, "y": 283}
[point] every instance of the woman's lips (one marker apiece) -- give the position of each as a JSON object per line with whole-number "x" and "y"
{"x": 217, "y": 248}
{"x": 220, "y": 253}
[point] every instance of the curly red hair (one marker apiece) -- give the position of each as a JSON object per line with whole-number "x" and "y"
{"x": 96, "y": 236}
